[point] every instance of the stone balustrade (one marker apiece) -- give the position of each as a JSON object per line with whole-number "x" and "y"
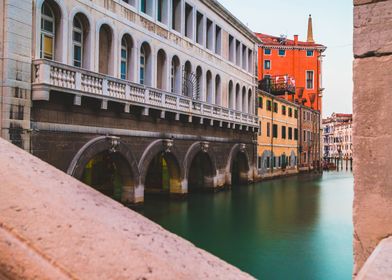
{"x": 51, "y": 75}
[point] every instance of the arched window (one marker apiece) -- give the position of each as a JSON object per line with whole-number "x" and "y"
{"x": 124, "y": 59}
{"x": 77, "y": 42}
{"x": 199, "y": 83}
{"x": 48, "y": 27}
{"x": 106, "y": 60}
{"x": 238, "y": 99}
{"x": 209, "y": 97}
{"x": 244, "y": 101}
{"x": 175, "y": 75}
{"x": 218, "y": 97}
{"x": 231, "y": 95}
{"x": 161, "y": 70}
{"x": 142, "y": 65}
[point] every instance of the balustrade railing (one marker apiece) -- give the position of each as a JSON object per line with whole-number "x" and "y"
{"x": 68, "y": 78}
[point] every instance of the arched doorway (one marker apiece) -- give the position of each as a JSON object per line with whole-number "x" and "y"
{"x": 108, "y": 173}
{"x": 239, "y": 169}
{"x": 163, "y": 174}
{"x": 201, "y": 173}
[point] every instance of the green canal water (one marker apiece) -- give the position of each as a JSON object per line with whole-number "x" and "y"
{"x": 292, "y": 228}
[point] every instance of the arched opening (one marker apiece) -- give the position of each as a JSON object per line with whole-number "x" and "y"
{"x": 238, "y": 104}
{"x": 231, "y": 95}
{"x": 163, "y": 174}
{"x": 126, "y": 63}
{"x": 250, "y": 103}
{"x": 239, "y": 169}
{"x": 201, "y": 173}
{"x": 218, "y": 93}
{"x": 199, "y": 81}
{"x": 145, "y": 77}
{"x": 105, "y": 50}
{"x": 161, "y": 69}
{"x": 81, "y": 41}
{"x": 244, "y": 101}
{"x": 108, "y": 173}
{"x": 175, "y": 75}
{"x": 188, "y": 81}
{"x": 209, "y": 96}
{"x": 50, "y": 39}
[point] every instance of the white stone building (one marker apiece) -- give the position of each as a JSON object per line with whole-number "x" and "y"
{"x": 154, "y": 53}
{"x": 337, "y": 136}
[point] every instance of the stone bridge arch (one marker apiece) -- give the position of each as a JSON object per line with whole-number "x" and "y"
{"x": 200, "y": 167}
{"x": 160, "y": 168}
{"x": 108, "y": 156}
{"x": 238, "y": 168}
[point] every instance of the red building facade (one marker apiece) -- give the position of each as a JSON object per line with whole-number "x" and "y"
{"x": 292, "y": 68}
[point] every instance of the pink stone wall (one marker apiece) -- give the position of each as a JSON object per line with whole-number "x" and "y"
{"x": 54, "y": 227}
{"x": 372, "y": 126}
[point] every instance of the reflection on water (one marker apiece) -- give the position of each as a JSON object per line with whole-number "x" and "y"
{"x": 292, "y": 228}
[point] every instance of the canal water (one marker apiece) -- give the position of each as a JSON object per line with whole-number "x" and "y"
{"x": 292, "y": 228}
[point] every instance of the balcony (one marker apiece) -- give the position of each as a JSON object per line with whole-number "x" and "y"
{"x": 278, "y": 85}
{"x": 51, "y": 75}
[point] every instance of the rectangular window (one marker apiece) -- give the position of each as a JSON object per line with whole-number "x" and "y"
{"x": 199, "y": 28}
{"x": 275, "y": 131}
{"x": 231, "y": 48}
{"x": 267, "y": 64}
{"x": 283, "y": 132}
{"x": 309, "y": 79}
{"x": 304, "y": 136}
{"x": 218, "y": 40}
{"x": 176, "y": 15}
{"x": 290, "y": 133}
{"x": 210, "y": 35}
{"x": 296, "y": 113}
{"x": 77, "y": 56}
{"x": 238, "y": 53}
{"x": 268, "y": 129}
{"x": 188, "y": 21}
{"x": 47, "y": 47}
{"x": 274, "y": 162}
{"x": 260, "y": 102}
{"x": 260, "y": 128}
{"x": 269, "y": 105}
{"x": 267, "y": 51}
{"x": 268, "y": 162}
{"x": 282, "y": 52}
{"x": 283, "y": 110}
{"x": 295, "y": 133}
{"x": 275, "y": 107}
{"x": 143, "y": 6}
{"x": 309, "y": 53}
{"x": 290, "y": 112}
{"x": 259, "y": 162}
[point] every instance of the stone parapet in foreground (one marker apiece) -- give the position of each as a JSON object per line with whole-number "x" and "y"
{"x": 55, "y": 227}
{"x": 372, "y": 129}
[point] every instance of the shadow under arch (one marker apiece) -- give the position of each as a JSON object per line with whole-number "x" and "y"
{"x": 238, "y": 165}
{"x": 200, "y": 167}
{"x": 108, "y": 165}
{"x": 160, "y": 168}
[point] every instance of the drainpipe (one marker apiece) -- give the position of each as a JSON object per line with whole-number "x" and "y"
{"x": 272, "y": 135}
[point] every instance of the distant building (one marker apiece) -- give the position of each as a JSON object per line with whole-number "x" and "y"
{"x": 337, "y": 136}
{"x": 277, "y": 141}
{"x": 292, "y": 68}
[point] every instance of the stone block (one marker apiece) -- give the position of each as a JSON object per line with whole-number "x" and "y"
{"x": 372, "y": 138}
{"x": 373, "y": 29}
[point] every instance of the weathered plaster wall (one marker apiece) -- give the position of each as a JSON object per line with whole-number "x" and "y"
{"x": 54, "y": 227}
{"x": 372, "y": 129}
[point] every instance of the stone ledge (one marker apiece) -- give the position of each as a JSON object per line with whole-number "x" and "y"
{"x": 54, "y": 227}
{"x": 379, "y": 264}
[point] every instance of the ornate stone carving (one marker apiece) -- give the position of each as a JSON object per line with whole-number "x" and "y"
{"x": 114, "y": 143}
{"x": 204, "y": 146}
{"x": 167, "y": 145}
{"x": 242, "y": 148}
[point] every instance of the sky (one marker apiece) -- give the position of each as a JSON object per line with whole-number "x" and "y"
{"x": 332, "y": 27}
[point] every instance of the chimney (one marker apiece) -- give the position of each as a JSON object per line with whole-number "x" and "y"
{"x": 310, "y": 30}
{"x": 295, "y": 40}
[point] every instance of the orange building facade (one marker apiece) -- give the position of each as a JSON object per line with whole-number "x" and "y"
{"x": 292, "y": 68}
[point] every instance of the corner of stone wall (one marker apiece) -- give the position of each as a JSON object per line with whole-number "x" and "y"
{"x": 372, "y": 128}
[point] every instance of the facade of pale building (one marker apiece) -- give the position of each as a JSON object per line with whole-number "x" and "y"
{"x": 155, "y": 87}
{"x": 277, "y": 140}
{"x": 337, "y": 136}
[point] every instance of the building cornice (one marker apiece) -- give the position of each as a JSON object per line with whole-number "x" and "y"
{"x": 283, "y": 47}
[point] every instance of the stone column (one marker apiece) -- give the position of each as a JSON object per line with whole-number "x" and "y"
{"x": 372, "y": 128}
{"x": 15, "y": 71}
